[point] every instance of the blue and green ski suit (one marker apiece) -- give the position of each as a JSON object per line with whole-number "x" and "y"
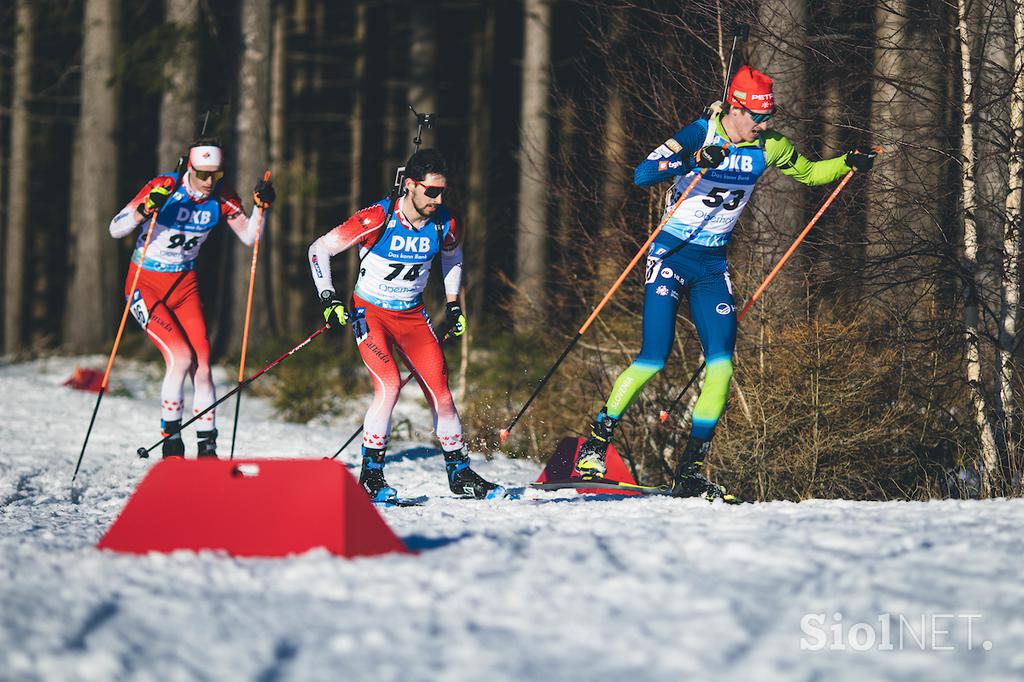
{"x": 703, "y": 224}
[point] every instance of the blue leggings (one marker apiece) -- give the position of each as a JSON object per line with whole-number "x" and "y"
{"x": 701, "y": 272}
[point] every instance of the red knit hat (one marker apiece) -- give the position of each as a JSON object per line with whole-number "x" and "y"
{"x": 752, "y": 89}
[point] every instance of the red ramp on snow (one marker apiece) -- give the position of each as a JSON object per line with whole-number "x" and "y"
{"x": 562, "y": 467}
{"x": 258, "y": 508}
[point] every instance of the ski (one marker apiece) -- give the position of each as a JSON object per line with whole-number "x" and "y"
{"x": 618, "y": 486}
{"x": 497, "y": 493}
{"x": 602, "y": 484}
{"x": 401, "y": 502}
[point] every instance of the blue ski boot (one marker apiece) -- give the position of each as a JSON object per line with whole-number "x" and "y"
{"x": 371, "y": 477}
{"x": 590, "y": 463}
{"x": 465, "y": 482}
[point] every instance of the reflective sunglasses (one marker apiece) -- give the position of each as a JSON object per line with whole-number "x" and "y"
{"x": 432, "y": 191}
{"x": 204, "y": 175}
{"x": 758, "y": 118}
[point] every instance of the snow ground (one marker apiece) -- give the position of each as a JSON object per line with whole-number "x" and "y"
{"x": 553, "y": 586}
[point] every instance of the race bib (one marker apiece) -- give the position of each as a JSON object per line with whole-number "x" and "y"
{"x": 139, "y": 310}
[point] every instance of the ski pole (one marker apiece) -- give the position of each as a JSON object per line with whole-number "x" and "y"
{"x": 117, "y": 342}
{"x": 663, "y": 416}
{"x": 593, "y": 315}
{"x": 144, "y": 452}
{"x": 355, "y": 434}
{"x": 248, "y": 312}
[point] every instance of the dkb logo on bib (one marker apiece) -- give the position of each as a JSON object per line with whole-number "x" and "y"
{"x": 410, "y": 244}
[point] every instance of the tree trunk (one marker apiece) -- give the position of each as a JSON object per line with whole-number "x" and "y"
{"x": 251, "y": 132}
{"x": 990, "y": 27}
{"x": 274, "y": 241}
{"x": 422, "y": 61}
{"x": 568, "y": 133}
{"x": 477, "y": 197}
{"x": 16, "y": 234}
{"x": 298, "y": 294}
{"x": 779, "y": 200}
{"x": 615, "y": 180}
{"x": 181, "y": 80}
{"x": 888, "y": 113}
{"x": 311, "y": 228}
{"x": 395, "y": 95}
{"x": 974, "y": 378}
{"x": 1011, "y": 236}
{"x": 357, "y": 124}
{"x": 531, "y": 232}
{"x": 3, "y": 205}
{"x": 94, "y": 293}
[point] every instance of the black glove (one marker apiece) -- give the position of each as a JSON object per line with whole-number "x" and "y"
{"x": 861, "y": 159}
{"x": 711, "y": 156}
{"x": 334, "y": 310}
{"x": 456, "y": 318}
{"x": 158, "y": 196}
{"x": 264, "y": 195}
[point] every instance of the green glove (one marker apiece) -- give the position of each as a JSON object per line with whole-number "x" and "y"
{"x": 158, "y": 196}
{"x": 334, "y": 310}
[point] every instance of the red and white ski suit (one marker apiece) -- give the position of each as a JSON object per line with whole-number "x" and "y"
{"x": 395, "y": 267}
{"x": 166, "y": 300}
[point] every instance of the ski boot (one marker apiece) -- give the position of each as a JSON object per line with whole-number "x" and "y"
{"x": 689, "y": 479}
{"x": 207, "y": 443}
{"x": 371, "y": 477}
{"x": 465, "y": 482}
{"x": 173, "y": 446}
{"x": 590, "y": 463}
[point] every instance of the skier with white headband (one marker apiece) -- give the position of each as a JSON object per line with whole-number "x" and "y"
{"x": 166, "y": 300}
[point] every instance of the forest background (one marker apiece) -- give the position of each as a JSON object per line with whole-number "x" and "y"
{"x": 884, "y": 362}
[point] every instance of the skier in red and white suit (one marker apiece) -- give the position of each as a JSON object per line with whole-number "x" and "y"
{"x": 397, "y": 248}
{"x": 166, "y": 300}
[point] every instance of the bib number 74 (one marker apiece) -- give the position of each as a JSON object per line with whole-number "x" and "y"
{"x": 397, "y": 268}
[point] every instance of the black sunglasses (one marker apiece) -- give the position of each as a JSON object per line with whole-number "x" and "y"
{"x": 432, "y": 191}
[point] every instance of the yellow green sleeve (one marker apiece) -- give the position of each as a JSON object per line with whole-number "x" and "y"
{"x": 779, "y": 152}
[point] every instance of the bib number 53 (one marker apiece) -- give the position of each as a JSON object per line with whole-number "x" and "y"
{"x": 717, "y": 197}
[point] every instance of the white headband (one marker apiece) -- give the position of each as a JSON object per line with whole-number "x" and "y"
{"x": 205, "y": 158}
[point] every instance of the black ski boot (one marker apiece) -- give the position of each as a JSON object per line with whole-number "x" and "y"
{"x": 689, "y": 479}
{"x": 371, "y": 477}
{"x": 465, "y": 482}
{"x": 174, "y": 446}
{"x": 207, "y": 443}
{"x": 590, "y": 463}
